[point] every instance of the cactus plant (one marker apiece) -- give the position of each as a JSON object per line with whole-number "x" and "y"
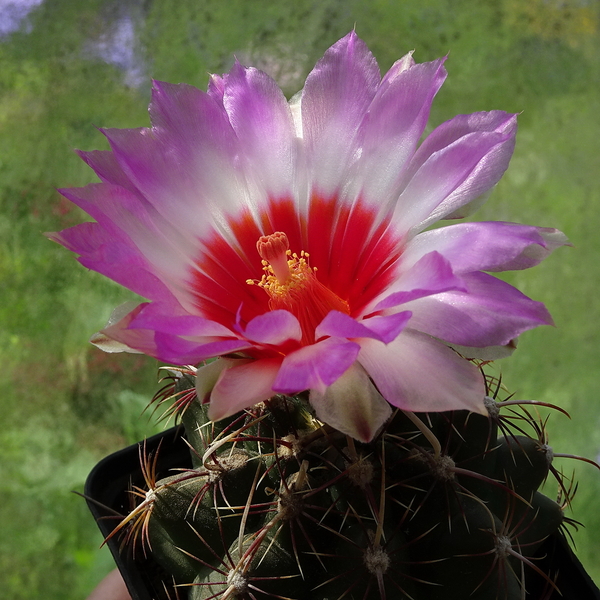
{"x": 345, "y": 441}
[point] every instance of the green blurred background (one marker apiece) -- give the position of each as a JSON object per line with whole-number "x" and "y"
{"x": 67, "y": 66}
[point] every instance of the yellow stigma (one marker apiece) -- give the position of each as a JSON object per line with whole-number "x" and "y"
{"x": 292, "y": 285}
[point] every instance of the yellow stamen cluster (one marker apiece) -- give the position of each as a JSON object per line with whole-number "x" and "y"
{"x": 299, "y": 270}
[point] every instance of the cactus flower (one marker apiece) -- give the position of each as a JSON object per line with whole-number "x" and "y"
{"x": 291, "y": 240}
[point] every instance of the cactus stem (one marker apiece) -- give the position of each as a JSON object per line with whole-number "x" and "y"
{"x": 443, "y": 467}
{"x": 499, "y": 484}
{"x": 289, "y": 445}
{"x": 274, "y": 491}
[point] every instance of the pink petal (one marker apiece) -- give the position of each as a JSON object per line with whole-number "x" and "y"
{"x": 474, "y": 190}
{"x": 216, "y": 87}
{"x": 384, "y": 329}
{"x": 391, "y": 129}
{"x": 334, "y": 100}
{"x": 432, "y": 274}
{"x": 179, "y": 351}
{"x": 490, "y": 313}
{"x": 185, "y": 164}
{"x": 240, "y": 387}
{"x": 107, "y": 168}
{"x": 109, "y": 251}
{"x": 166, "y": 346}
{"x": 274, "y": 327}
{"x": 401, "y": 65}
{"x": 458, "y": 127}
{"x": 486, "y": 246}
{"x": 176, "y": 321}
{"x": 129, "y": 218}
{"x": 262, "y": 121}
{"x": 456, "y": 174}
{"x": 418, "y": 373}
{"x": 315, "y": 366}
{"x": 388, "y": 327}
{"x": 352, "y": 405}
{"x": 109, "y": 345}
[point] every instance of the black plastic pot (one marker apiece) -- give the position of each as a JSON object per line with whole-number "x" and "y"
{"x": 107, "y": 486}
{"x": 106, "y": 491}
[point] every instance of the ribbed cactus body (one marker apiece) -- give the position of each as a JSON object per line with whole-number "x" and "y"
{"x": 440, "y": 506}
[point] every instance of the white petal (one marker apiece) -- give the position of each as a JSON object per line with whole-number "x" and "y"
{"x": 419, "y": 373}
{"x": 107, "y": 344}
{"x": 208, "y": 375}
{"x": 352, "y": 405}
{"x": 242, "y": 386}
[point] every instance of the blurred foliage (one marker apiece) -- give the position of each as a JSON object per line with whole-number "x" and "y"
{"x": 74, "y": 65}
{"x": 566, "y": 21}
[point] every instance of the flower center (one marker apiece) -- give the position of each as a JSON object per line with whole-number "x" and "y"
{"x": 292, "y": 284}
